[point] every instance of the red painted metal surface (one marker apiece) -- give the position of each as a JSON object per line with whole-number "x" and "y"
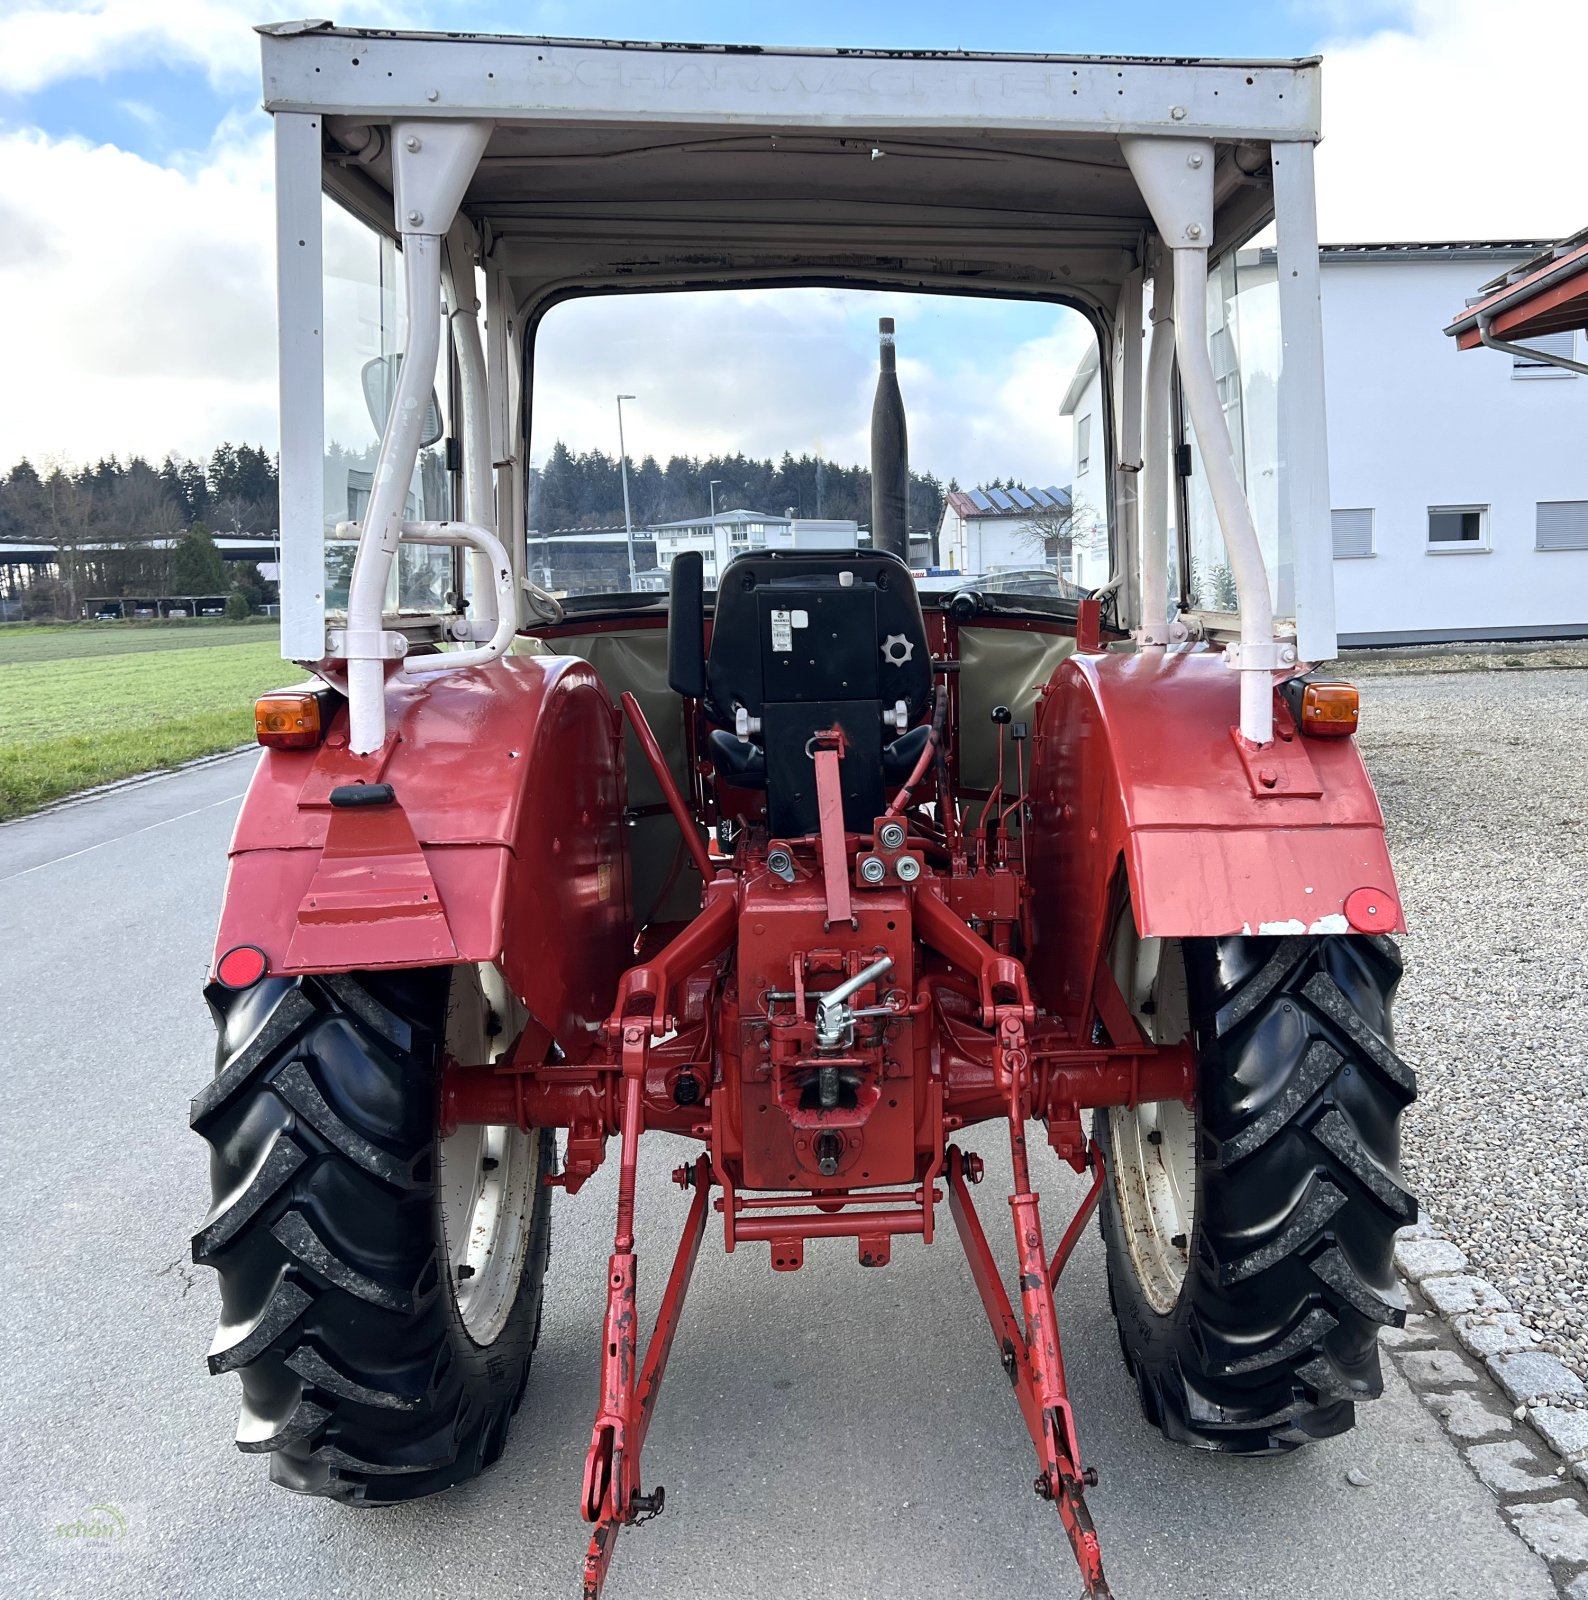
{"x": 1134, "y": 772}
{"x": 509, "y": 803}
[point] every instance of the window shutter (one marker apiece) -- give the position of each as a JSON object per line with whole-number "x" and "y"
{"x": 1353, "y": 533}
{"x": 1562, "y": 525}
{"x": 1556, "y": 344}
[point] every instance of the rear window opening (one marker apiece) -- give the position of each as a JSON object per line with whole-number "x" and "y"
{"x": 741, "y": 420}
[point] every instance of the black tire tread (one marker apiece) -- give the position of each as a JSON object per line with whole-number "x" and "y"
{"x": 1274, "y": 1338}
{"x": 358, "y": 1379}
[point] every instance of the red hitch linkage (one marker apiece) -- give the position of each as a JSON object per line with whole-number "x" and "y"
{"x": 612, "y": 1493}
{"x": 1031, "y": 1354}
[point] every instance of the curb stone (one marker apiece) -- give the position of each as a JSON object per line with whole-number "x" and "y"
{"x": 1515, "y": 1411}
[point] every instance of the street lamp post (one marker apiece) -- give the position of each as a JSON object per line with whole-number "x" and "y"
{"x": 623, "y": 468}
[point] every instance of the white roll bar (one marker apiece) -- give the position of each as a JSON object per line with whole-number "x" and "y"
{"x": 487, "y": 551}
{"x": 1154, "y": 627}
{"x": 1176, "y": 180}
{"x": 432, "y": 162}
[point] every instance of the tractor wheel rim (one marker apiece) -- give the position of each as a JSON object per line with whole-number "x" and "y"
{"x": 488, "y": 1177}
{"x": 488, "y": 1196}
{"x": 1155, "y": 1183}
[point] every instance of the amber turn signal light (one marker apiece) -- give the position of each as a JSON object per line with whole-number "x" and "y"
{"x": 288, "y": 721}
{"x": 1328, "y": 710}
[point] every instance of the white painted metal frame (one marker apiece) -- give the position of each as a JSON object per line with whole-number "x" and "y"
{"x": 441, "y": 93}
{"x": 432, "y": 163}
{"x": 479, "y": 489}
{"x": 301, "y": 355}
{"x": 1155, "y": 626}
{"x": 560, "y": 80}
{"x": 1305, "y": 579}
{"x": 1176, "y": 180}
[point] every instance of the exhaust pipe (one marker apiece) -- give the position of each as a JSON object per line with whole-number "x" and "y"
{"x": 890, "y": 457}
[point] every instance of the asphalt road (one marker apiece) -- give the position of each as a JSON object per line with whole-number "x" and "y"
{"x": 836, "y": 1431}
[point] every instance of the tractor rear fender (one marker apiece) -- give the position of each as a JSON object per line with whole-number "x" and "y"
{"x": 1137, "y": 769}
{"x": 503, "y": 841}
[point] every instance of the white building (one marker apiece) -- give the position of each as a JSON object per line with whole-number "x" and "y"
{"x": 1004, "y": 530}
{"x": 1083, "y": 404}
{"x": 1458, "y": 480}
{"x": 730, "y": 533}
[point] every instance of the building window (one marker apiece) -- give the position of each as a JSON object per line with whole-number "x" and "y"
{"x": 1454, "y": 529}
{"x": 1557, "y": 344}
{"x": 1083, "y": 444}
{"x": 1353, "y": 534}
{"x": 1562, "y": 525}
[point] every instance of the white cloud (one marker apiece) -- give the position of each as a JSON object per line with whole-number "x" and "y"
{"x": 1450, "y": 127}
{"x": 140, "y": 299}
{"x": 42, "y": 44}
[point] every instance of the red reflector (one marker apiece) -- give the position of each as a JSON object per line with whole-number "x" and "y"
{"x": 1372, "y": 910}
{"x": 241, "y": 966}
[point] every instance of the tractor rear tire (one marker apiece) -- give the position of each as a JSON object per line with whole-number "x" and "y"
{"x": 1263, "y": 1331}
{"x": 369, "y": 1375}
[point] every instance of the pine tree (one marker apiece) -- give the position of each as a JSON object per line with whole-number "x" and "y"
{"x": 196, "y": 564}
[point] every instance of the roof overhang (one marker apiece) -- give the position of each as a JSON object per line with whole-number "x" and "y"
{"x": 1548, "y": 294}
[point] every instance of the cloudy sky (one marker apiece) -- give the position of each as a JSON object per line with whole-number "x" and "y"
{"x": 136, "y": 220}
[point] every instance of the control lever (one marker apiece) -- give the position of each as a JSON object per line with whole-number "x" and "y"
{"x": 834, "y": 1018}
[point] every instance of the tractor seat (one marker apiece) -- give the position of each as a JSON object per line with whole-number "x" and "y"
{"x": 805, "y": 640}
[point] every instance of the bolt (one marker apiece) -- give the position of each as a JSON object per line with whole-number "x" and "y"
{"x": 1177, "y": 112}
{"x": 684, "y": 1176}
{"x": 489, "y": 1164}
{"x": 873, "y": 869}
{"x": 465, "y": 1272}
{"x": 828, "y": 1149}
{"x": 1193, "y": 161}
{"x": 780, "y": 861}
{"x": 1267, "y": 778}
{"x": 891, "y": 835}
{"x": 1043, "y": 1488}
{"x": 1155, "y": 1137}
{"x": 973, "y": 1166}
{"x": 1089, "y": 1477}
{"x": 908, "y": 868}
{"x": 1178, "y": 1241}
{"x": 432, "y": 94}
{"x": 1287, "y": 654}
{"x": 1193, "y": 230}
{"x": 416, "y": 217}
{"x": 411, "y": 145}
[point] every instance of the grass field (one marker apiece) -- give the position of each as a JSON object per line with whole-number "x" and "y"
{"x": 89, "y": 704}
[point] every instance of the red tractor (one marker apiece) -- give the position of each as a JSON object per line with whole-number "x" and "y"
{"x": 1105, "y": 870}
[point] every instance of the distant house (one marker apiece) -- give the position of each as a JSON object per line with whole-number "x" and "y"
{"x": 1005, "y": 530}
{"x": 592, "y": 560}
{"x": 730, "y": 533}
{"x": 1083, "y": 404}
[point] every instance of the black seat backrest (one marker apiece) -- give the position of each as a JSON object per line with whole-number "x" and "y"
{"x": 816, "y": 625}
{"x": 806, "y": 639}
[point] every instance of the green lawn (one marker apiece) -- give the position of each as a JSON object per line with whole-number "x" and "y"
{"x": 86, "y": 705}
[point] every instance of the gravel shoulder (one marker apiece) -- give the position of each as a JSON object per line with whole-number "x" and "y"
{"x": 1480, "y": 774}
